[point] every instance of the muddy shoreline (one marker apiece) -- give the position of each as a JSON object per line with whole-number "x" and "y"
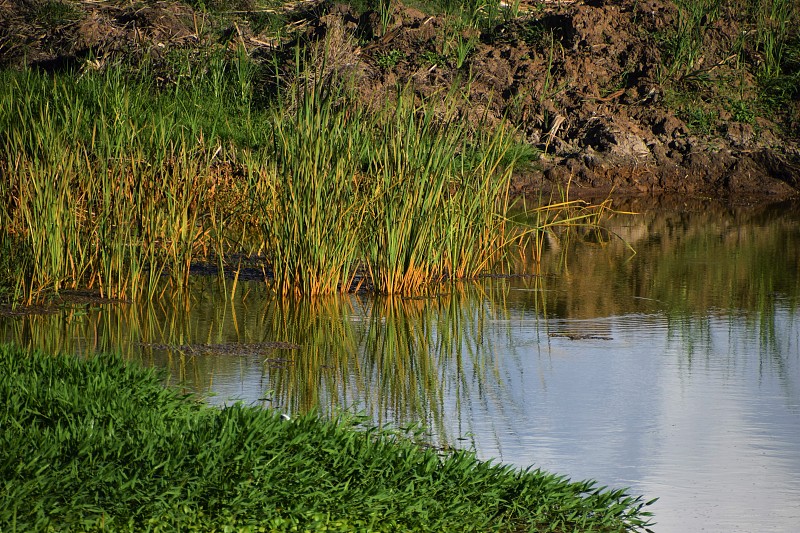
{"x": 588, "y": 84}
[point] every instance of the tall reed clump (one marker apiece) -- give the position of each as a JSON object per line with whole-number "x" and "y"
{"x": 99, "y": 444}
{"x": 407, "y": 173}
{"x": 314, "y": 211}
{"x": 106, "y": 183}
{"x": 438, "y": 199}
{"x": 406, "y": 191}
{"x": 118, "y": 185}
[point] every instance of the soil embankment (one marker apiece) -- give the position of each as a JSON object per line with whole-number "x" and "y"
{"x": 600, "y": 88}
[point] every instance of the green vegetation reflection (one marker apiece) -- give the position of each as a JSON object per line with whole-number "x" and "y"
{"x": 395, "y": 359}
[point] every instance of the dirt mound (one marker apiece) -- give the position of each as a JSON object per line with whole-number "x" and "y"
{"x": 591, "y": 84}
{"x": 55, "y": 35}
{"x": 583, "y": 82}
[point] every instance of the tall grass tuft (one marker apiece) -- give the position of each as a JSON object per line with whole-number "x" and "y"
{"x": 685, "y": 45}
{"x": 439, "y": 199}
{"x": 314, "y": 213}
{"x": 104, "y": 188}
{"x": 410, "y": 177}
{"x": 774, "y": 21}
{"x": 407, "y": 190}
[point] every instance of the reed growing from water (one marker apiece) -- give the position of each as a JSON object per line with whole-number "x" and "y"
{"x": 99, "y": 444}
{"x": 438, "y": 198}
{"x": 117, "y": 185}
{"x": 313, "y": 215}
{"x": 103, "y": 189}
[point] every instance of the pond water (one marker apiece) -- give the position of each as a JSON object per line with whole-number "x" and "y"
{"x": 674, "y": 370}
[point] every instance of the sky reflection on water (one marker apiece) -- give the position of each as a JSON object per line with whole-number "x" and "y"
{"x": 716, "y": 439}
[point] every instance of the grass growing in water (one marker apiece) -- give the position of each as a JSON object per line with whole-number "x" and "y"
{"x": 107, "y": 186}
{"x": 117, "y": 185}
{"x": 100, "y": 444}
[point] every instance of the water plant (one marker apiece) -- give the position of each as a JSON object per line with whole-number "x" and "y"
{"x": 148, "y": 189}
{"x": 120, "y": 183}
{"x": 434, "y": 197}
{"x": 314, "y": 216}
{"x": 107, "y": 187}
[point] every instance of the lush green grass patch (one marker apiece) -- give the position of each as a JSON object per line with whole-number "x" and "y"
{"x": 100, "y": 444}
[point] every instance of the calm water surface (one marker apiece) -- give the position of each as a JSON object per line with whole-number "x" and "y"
{"x": 674, "y": 371}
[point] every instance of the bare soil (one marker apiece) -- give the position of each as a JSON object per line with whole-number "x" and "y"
{"x": 583, "y": 81}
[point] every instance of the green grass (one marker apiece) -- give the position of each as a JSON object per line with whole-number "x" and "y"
{"x": 685, "y": 44}
{"x": 390, "y": 59}
{"x": 53, "y": 13}
{"x": 114, "y": 182}
{"x": 760, "y": 65}
{"x": 100, "y": 444}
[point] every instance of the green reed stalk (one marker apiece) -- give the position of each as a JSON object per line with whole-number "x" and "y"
{"x": 411, "y": 169}
{"x": 474, "y": 227}
{"x": 314, "y": 215}
{"x": 436, "y": 194}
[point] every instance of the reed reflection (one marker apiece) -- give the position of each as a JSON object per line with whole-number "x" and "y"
{"x": 396, "y": 359}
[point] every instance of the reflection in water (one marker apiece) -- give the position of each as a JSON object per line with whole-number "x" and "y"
{"x": 674, "y": 370}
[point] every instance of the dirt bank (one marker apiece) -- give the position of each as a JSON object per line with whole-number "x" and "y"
{"x": 596, "y": 86}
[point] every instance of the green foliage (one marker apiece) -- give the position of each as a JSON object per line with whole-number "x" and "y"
{"x": 313, "y": 212}
{"x": 765, "y": 50}
{"x": 418, "y": 197}
{"x": 433, "y": 58}
{"x": 99, "y": 444}
{"x": 438, "y": 199}
{"x": 121, "y": 185}
{"x": 535, "y": 33}
{"x": 462, "y": 48}
{"x": 700, "y": 120}
{"x": 108, "y": 178}
{"x": 773, "y": 29}
{"x": 779, "y": 90}
{"x": 220, "y": 6}
{"x": 743, "y": 111}
{"x": 684, "y": 45}
{"x": 390, "y": 59}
